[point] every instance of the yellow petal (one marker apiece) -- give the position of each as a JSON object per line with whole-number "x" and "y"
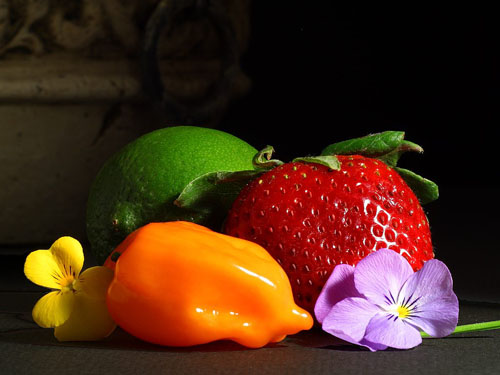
{"x": 42, "y": 269}
{"x": 53, "y": 309}
{"x": 89, "y": 321}
{"x": 56, "y": 267}
{"x": 94, "y": 282}
{"x": 68, "y": 253}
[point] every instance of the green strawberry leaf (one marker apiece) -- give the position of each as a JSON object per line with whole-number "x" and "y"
{"x": 425, "y": 190}
{"x": 212, "y": 194}
{"x": 371, "y": 145}
{"x": 392, "y": 157}
{"x": 331, "y": 161}
{"x": 262, "y": 159}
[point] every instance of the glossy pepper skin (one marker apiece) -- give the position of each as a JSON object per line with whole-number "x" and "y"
{"x": 181, "y": 284}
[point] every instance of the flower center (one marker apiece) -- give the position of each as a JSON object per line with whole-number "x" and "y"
{"x": 400, "y": 311}
{"x": 68, "y": 283}
{"x": 403, "y": 312}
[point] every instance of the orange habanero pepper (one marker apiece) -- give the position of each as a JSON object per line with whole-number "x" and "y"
{"x": 181, "y": 284}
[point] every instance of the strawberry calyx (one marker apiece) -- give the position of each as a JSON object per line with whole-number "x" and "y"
{"x": 209, "y": 197}
{"x": 388, "y": 147}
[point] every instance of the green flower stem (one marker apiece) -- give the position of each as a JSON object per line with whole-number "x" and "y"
{"x": 474, "y": 327}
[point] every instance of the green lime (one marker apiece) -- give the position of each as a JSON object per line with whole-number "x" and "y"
{"x": 139, "y": 184}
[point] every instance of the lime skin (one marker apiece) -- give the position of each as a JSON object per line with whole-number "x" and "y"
{"x": 138, "y": 185}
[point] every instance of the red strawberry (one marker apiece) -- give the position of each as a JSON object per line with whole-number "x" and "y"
{"x": 311, "y": 217}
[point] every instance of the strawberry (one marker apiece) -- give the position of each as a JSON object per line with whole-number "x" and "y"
{"x": 314, "y": 213}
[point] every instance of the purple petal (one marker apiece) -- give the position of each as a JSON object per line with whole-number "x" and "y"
{"x": 387, "y": 329}
{"x": 349, "y": 318}
{"x": 437, "y": 318}
{"x": 339, "y": 285}
{"x": 372, "y": 346}
{"x": 380, "y": 275}
{"x": 435, "y": 305}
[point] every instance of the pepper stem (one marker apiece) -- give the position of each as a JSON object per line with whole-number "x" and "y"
{"x": 474, "y": 327}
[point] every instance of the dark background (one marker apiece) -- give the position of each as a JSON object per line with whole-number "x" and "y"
{"x": 322, "y": 73}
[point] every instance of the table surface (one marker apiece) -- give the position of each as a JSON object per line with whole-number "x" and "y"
{"x": 27, "y": 348}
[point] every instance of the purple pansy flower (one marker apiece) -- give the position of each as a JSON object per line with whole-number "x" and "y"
{"x": 382, "y": 303}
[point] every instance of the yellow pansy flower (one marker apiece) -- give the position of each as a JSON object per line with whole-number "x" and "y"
{"x": 76, "y": 307}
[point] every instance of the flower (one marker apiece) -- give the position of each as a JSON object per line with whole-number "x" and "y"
{"x": 76, "y": 307}
{"x": 382, "y": 303}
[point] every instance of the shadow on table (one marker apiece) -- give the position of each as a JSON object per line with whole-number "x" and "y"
{"x": 19, "y": 328}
